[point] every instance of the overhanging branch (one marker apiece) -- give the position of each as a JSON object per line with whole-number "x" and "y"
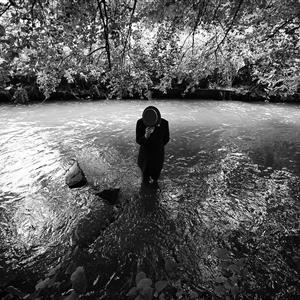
{"x": 129, "y": 29}
{"x": 198, "y": 18}
{"x": 95, "y": 50}
{"x": 5, "y": 10}
{"x": 104, "y": 19}
{"x": 231, "y": 24}
{"x": 276, "y": 30}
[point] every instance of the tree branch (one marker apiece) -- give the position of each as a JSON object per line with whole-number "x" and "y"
{"x": 276, "y": 30}
{"x": 129, "y": 29}
{"x": 63, "y": 59}
{"x": 199, "y": 16}
{"x": 104, "y": 19}
{"x": 13, "y": 3}
{"x": 231, "y": 24}
{"x": 32, "y": 13}
{"x": 32, "y": 7}
{"x": 95, "y": 50}
{"x": 216, "y": 10}
{"x": 5, "y": 10}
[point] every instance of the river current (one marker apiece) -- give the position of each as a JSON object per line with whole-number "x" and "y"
{"x": 209, "y": 140}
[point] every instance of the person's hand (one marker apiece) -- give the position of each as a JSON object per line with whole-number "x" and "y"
{"x": 148, "y": 132}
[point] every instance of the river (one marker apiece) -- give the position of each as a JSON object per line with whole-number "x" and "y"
{"x": 209, "y": 139}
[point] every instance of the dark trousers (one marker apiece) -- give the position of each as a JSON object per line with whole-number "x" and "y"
{"x": 147, "y": 175}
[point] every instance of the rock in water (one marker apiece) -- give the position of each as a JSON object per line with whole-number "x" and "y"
{"x": 110, "y": 195}
{"x": 79, "y": 281}
{"x": 75, "y": 177}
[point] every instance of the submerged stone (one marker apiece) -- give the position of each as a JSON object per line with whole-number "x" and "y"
{"x": 79, "y": 281}
{"x": 75, "y": 177}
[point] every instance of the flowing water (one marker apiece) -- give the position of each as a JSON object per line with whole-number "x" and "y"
{"x": 222, "y": 160}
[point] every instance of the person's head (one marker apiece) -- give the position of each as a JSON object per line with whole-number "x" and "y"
{"x": 151, "y": 116}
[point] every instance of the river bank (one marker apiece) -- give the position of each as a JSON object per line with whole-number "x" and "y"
{"x": 30, "y": 93}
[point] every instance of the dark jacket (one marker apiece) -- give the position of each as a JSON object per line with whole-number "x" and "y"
{"x": 151, "y": 153}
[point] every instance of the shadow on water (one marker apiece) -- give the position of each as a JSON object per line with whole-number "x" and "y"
{"x": 142, "y": 237}
{"x": 149, "y": 197}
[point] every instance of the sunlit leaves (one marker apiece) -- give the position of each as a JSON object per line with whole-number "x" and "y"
{"x": 162, "y": 42}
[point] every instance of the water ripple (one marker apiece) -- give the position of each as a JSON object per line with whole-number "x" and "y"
{"x": 218, "y": 164}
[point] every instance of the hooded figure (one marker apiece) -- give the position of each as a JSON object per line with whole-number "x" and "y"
{"x": 152, "y": 134}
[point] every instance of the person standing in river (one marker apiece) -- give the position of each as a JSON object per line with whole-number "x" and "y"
{"x": 152, "y": 134}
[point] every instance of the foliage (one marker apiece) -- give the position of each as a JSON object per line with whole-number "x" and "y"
{"x": 20, "y": 96}
{"x": 133, "y": 47}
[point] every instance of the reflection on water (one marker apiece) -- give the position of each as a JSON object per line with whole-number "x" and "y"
{"x": 220, "y": 161}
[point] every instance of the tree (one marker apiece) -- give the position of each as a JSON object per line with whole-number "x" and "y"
{"x": 133, "y": 46}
